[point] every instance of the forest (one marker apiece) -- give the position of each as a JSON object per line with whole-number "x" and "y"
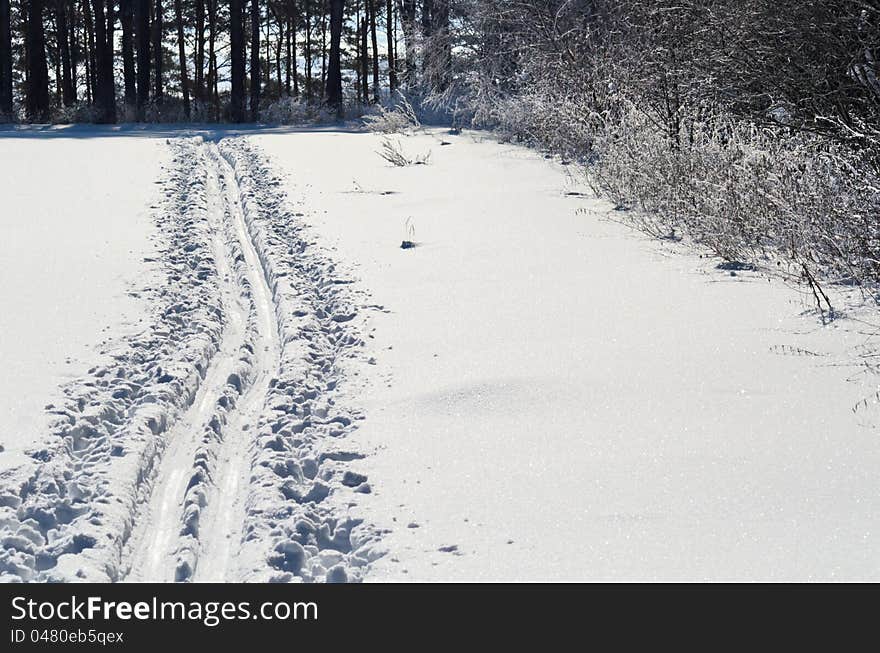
{"x": 201, "y": 60}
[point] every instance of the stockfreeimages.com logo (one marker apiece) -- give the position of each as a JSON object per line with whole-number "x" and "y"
{"x": 208, "y": 613}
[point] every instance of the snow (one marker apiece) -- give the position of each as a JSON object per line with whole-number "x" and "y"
{"x": 74, "y": 233}
{"x": 252, "y": 380}
{"x": 556, "y": 397}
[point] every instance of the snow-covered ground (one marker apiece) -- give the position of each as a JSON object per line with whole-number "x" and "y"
{"x": 75, "y": 231}
{"x": 533, "y": 392}
{"x": 555, "y": 397}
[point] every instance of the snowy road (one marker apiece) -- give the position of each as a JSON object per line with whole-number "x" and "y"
{"x": 533, "y": 392}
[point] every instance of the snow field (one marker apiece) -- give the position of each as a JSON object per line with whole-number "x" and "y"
{"x": 282, "y": 393}
{"x": 557, "y": 397}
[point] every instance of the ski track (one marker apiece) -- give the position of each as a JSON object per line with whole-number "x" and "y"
{"x": 210, "y": 450}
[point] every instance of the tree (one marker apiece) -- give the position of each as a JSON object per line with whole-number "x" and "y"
{"x": 363, "y": 72}
{"x": 91, "y": 65}
{"x": 437, "y": 54}
{"x": 236, "y": 43}
{"x": 255, "y": 59}
{"x": 142, "y": 12}
{"x": 307, "y": 52}
{"x": 105, "y": 88}
{"x": 37, "y": 89}
{"x": 199, "y": 63}
{"x": 158, "y": 61}
{"x": 334, "y": 68}
{"x": 68, "y": 93}
{"x": 441, "y": 45}
{"x": 5, "y": 61}
{"x": 408, "y": 20}
{"x": 292, "y": 47}
{"x": 126, "y": 20}
{"x": 371, "y": 10}
{"x": 213, "y": 88}
{"x": 389, "y": 34}
{"x": 73, "y": 24}
{"x": 181, "y": 51}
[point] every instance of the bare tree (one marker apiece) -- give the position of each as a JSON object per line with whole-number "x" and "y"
{"x": 255, "y": 59}
{"x": 158, "y": 58}
{"x": 389, "y": 35}
{"x": 181, "y": 52}
{"x": 105, "y": 88}
{"x": 37, "y": 89}
{"x": 142, "y": 12}
{"x": 62, "y": 35}
{"x": 5, "y": 61}
{"x": 334, "y": 69}
{"x": 236, "y": 36}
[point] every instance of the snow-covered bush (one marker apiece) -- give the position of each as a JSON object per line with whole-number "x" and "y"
{"x": 772, "y": 158}
{"x": 294, "y": 111}
{"x": 399, "y": 118}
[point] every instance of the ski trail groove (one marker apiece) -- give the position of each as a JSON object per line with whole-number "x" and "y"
{"x": 191, "y": 526}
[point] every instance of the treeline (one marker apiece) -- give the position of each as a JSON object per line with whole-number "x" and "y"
{"x": 209, "y": 60}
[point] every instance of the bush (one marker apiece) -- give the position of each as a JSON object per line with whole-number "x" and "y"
{"x": 399, "y": 118}
{"x": 753, "y": 127}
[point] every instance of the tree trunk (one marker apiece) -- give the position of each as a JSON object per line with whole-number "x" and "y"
{"x": 105, "y": 90}
{"x": 158, "y": 32}
{"x": 427, "y": 12}
{"x": 427, "y": 34}
{"x": 293, "y": 65}
{"x": 126, "y": 17}
{"x": 441, "y": 46}
{"x": 389, "y": 34}
{"x": 181, "y": 55}
{"x": 5, "y": 61}
{"x": 89, "y": 27}
{"x": 280, "y": 23}
{"x": 408, "y": 19}
{"x": 255, "y": 60}
{"x": 236, "y": 41}
{"x": 290, "y": 50}
{"x": 358, "y": 57}
{"x": 334, "y": 70}
{"x": 142, "y": 10}
{"x": 55, "y": 57}
{"x": 371, "y": 4}
{"x": 73, "y": 24}
{"x": 199, "y": 62}
{"x": 213, "y": 89}
{"x": 37, "y": 95}
{"x": 62, "y": 34}
{"x": 365, "y": 57}
{"x": 323, "y": 47}
{"x": 308, "y": 50}
{"x": 267, "y": 40}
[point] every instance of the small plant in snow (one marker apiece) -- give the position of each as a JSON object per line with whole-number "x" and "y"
{"x": 409, "y": 242}
{"x": 393, "y": 153}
